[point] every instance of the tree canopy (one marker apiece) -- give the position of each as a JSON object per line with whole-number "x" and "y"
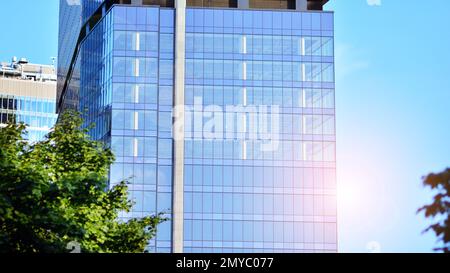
{"x": 54, "y": 194}
{"x": 439, "y": 209}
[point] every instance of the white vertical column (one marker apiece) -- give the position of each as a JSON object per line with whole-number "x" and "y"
{"x": 178, "y": 160}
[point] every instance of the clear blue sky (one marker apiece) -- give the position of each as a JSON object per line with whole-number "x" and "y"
{"x": 29, "y": 29}
{"x": 393, "y": 113}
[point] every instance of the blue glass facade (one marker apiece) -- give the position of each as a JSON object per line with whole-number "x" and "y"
{"x": 142, "y": 99}
{"x": 238, "y": 197}
{"x": 123, "y": 78}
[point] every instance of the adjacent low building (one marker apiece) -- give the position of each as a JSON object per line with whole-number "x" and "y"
{"x": 28, "y": 95}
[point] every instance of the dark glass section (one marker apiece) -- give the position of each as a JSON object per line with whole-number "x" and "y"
{"x": 162, "y": 3}
{"x": 70, "y": 21}
{"x": 272, "y": 4}
{"x": 89, "y": 7}
{"x": 316, "y": 4}
{"x": 212, "y": 3}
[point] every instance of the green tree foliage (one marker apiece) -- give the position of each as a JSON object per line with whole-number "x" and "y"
{"x": 440, "y": 208}
{"x": 55, "y": 192}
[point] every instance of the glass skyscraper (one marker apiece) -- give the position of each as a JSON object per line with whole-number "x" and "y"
{"x": 220, "y": 113}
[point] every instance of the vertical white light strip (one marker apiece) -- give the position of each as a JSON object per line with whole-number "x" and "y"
{"x": 136, "y": 93}
{"x": 244, "y": 44}
{"x": 244, "y": 70}
{"x": 244, "y": 150}
{"x": 138, "y": 41}
{"x": 178, "y": 160}
{"x": 303, "y": 46}
{"x": 136, "y": 67}
{"x": 136, "y": 121}
{"x": 135, "y": 147}
{"x": 244, "y": 96}
{"x": 303, "y": 72}
{"x": 303, "y": 100}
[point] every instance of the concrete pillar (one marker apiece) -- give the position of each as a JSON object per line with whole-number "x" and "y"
{"x": 178, "y": 133}
{"x": 243, "y": 4}
{"x": 136, "y": 2}
{"x": 301, "y": 5}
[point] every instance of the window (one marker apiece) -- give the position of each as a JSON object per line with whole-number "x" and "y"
{"x": 328, "y": 125}
{"x": 329, "y": 151}
{"x": 119, "y": 119}
{"x": 287, "y": 45}
{"x": 188, "y": 174}
{"x": 207, "y": 203}
{"x": 327, "y": 46}
{"x": 227, "y": 230}
{"x": 165, "y": 122}
{"x": 327, "y": 72}
{"x": 187, "y": 230}
{"x": 150, "y": 174}
{"x": 277, "y": 71}
{"x": 166, "y": 95}
{"x": 227, "y": 203}
{"x": 138, "y": 174}
{"x": 217, "y": 206}
{"x": 217, "y": 231}
{"x": 120, "y": 16}
{"x": 148, "y": 67}
{"x": 207, "y": 230}
{"x": 329, "y": 202}
{"x": 218, "y": 43}
{"x": 277, "y": 45}
{"x": 327, "y": 98}
{"x": 268, "y": 231}
{"x": 228, "y": 43}
{"x": 150, "y": 120}
{"x": 166, "y": 69}
{"x": 120, "y": 65}
{"x": 207, "y": 175}
{"x": 197, "y": 230}
{"x": 138, "y": 200}
{"x": 257, "y": 44}
{"x": 308, "y": 124}
{"x": 117, "y": 146}
{"x": 165, "y": 148}
{"x": 120, "y": 40}
{"x": 164, "y": 201}
{"x": 167, "y": 43}
{"x": 116, "y": 173}
{"x": 189, "y": 42}
{"x": 150, "y": 147}
{"x": 164, "y": 231}
{"x": 317, "y": 151}
{"x": 330, "y": 233}
{"x": 149, "y": 41}
{"x": 167, "y": 18}
{"x": 237, "y": 231}
{"x": 164, "y": 175}
{"x": 317, "y": 122}
{"x": 149, "y": 202}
